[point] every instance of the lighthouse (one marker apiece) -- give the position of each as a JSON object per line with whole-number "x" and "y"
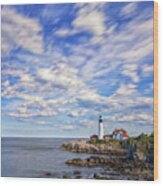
{"x": 101, "y": 128}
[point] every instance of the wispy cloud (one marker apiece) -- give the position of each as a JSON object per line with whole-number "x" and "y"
{"x": 20, "y": 31}
{"x": 65, "y": 67}
{"x": 129, "y": 9}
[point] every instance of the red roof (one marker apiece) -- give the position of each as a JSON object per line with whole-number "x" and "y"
{"x": 124, "y": 131}
{"x": 94, "y": 136}
{"x": 120, "y": 130}
{"x": 116, "y": 130}
{"x": 125, "y": 135}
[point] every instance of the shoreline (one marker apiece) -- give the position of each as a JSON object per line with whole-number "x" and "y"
{"x": 131, "y": 159}
{"x": 83, "y": 146}
{"x": 124, "y": 167}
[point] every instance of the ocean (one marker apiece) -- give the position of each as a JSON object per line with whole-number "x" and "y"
{"x": 41, "y": 158}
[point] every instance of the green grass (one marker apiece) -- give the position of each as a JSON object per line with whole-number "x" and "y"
{"x": 144, "y": 142}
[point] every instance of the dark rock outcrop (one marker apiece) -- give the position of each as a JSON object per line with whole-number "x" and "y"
{"x": 134, "y": 169}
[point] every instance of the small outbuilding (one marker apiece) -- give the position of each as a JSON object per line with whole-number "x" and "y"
{"x": 107, "y": 137}
{"x": 94, "y": 138}
{"x": 125, "y": 136}
{"x": 120, "y": 134}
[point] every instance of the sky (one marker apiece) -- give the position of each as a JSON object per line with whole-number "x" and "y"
{"x": 63, "y": 65}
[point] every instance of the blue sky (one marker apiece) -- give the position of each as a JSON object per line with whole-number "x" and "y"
{"x": 63, "y": 65}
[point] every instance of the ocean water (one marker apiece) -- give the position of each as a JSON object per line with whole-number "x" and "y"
{"x": 40, "y": 157}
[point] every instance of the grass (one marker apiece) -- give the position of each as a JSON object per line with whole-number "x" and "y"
{"x": 143, "y": 141}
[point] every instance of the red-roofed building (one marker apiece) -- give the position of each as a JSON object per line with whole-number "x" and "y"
{"x": 120, "y": 134}
{"x": 124, "y": 131}
{"x": 94, "y": 138}
{"x": 125, "y": 136}
{"x": 107, "y": 137}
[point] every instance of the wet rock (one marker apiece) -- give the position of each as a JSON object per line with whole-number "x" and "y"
{"x": 91, "y": 160}
{"x": 90, "y": 164}
{"x": 78, "y": 162}
{"x": 78, "y": 177}
{"x": 76, "y": 172}
{"x": 66, "y": 177}
{"x": 96, "y": 176}
{"x": 129, "y": 169}
{"x": 48, "y": 174}
{"x": 69, "y": 161}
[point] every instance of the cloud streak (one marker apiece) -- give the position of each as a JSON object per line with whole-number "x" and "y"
{"x": 20, "y": 31}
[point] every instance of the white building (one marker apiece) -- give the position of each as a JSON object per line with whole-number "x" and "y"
{"x": 101, "y": 128}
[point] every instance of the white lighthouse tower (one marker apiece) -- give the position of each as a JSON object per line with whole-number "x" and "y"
{"x": 101, "y": 128}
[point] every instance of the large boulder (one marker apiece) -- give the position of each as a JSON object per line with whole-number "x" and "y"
{"x": 138, "y": 155}
{"x": 77, "y": 161}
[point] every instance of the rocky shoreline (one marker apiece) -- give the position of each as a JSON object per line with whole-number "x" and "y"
{"x": 129, "y": 160}
{"x": 86, "y": 147}
{"x": 114, "y": 167}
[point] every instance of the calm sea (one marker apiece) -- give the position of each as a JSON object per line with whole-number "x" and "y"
{"x": 40, "y": 157}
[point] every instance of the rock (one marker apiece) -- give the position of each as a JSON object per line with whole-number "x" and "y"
{"x": 76, "y": 172}
{"x": 78, "y": 162}
{"x": 69, "y": 161}
{"x": 90, "y": 164}
{"x": 66, "y": 177}
{"x": 100, "y": 176}
{"x": 127, "y": 168}
{"x": 150, "y": 158}
{"x": 102, "y": 160}
{"x": 78, "y": 177}
{"x": 91, "y": 160}
{"x": 96, "y": 176}
{"x": 85, "y": 147}
{"x": 139, "y": 156}
{"x": 48, "y": 174}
